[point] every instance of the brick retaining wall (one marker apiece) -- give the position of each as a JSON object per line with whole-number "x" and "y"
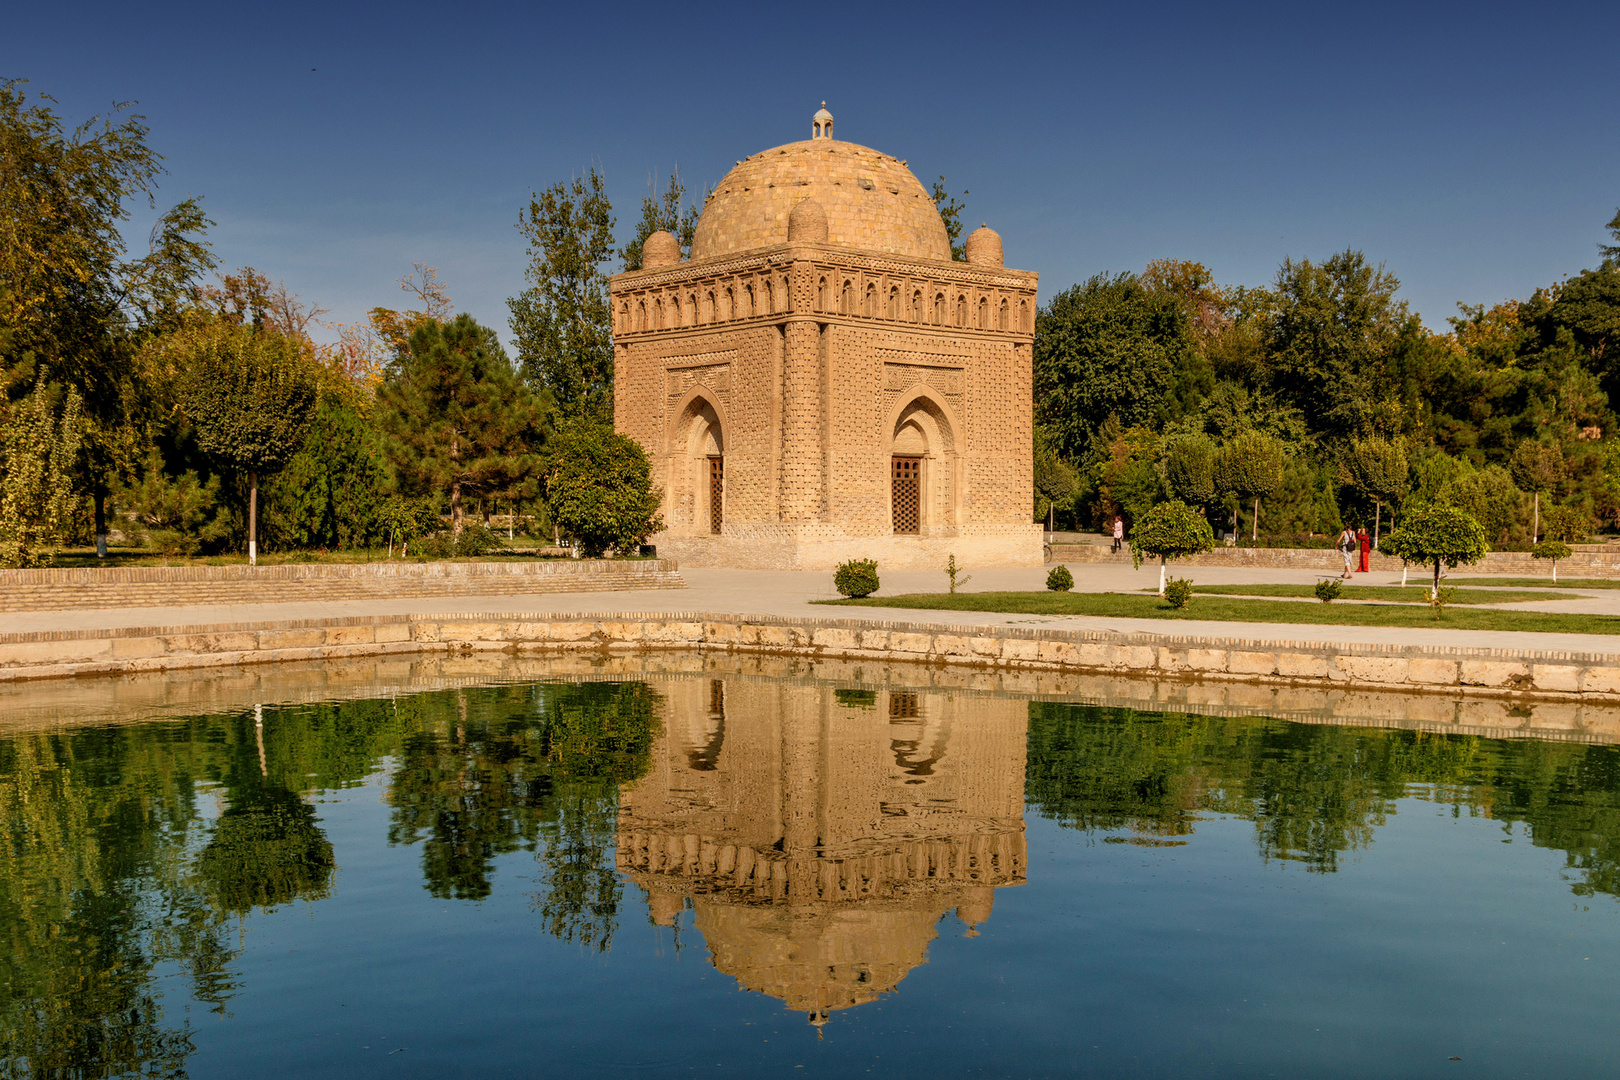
{"x": 1571, "y": 676}
{"x": 148, "y": 586}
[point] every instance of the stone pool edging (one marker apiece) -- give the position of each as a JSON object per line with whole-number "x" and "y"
{"x": 1544, "y": 674}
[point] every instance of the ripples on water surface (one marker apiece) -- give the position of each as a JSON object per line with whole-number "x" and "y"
{"x": 742, "y": 876}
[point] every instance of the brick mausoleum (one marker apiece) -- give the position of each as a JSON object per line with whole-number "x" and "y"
{"x": 820, "y": 381}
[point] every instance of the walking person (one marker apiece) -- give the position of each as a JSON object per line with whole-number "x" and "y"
{"x": 1366, "y": 547}
{"x": 1347, "y": 545}
{"x": 1119, "y": 533}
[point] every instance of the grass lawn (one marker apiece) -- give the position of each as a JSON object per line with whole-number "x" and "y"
{"x": 1541, "y": 583}
{"x": 1412, "y": 594}
{"x": 1225, "y": 609}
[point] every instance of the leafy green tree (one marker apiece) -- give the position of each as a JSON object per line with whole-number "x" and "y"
{"x": 1189, "y": 468}
{"x": 950, "y": 212}
{"x": 1438, "y": 534}
{"x": 330, "y": 493}
{"x": 1553, "y": 550}
{"x": 1056, "y": 481}
{"x": 457, "y": 417}
{"x": 563, "y": 323}
{"x": 36, "y": 476}
{"x": 1250, "y": 466}
{"x": 71, "y": 299}
{"x": 669, "y": 213}
{"x": 598, "y": 487}
{"x": 1537, "y": 467}
{"x": 1171, "y": 530}
{"x": 1377, "y": 468}
{"x": 249, "y": 394}
{"x": 1109, "y": 347}
{"x": 1489, "y": 497}
{"x": 1330, "y": 332}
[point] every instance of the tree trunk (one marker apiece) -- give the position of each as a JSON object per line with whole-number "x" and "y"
{"x": 455, "y": 508}
{"x": 1378, "y": 520}
{"x": 1254, "y": 522}
{"x": 1555, "y": 571}
{"x": 253, "y": 519}
{"x": 1435, "y": 595}
{"x": 511, "y": 519}
{"x": 1234, "y": 523}
{"x": 101, "y": 522}
{"x": 1535, "y": 524}
{"x": 1161, "y": 575}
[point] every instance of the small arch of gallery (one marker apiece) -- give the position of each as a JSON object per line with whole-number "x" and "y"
{"x": 876, "y": 297}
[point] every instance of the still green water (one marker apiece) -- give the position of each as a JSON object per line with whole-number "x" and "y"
{"x": 733, "y": 877}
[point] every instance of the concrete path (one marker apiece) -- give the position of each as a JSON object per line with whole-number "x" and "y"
{"x": 768, "y": 592}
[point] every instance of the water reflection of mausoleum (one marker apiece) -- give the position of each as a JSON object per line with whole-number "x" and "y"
{"x": 820, "y": 835}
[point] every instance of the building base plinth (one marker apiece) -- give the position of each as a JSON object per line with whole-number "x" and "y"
{"x": 822, "y": 547}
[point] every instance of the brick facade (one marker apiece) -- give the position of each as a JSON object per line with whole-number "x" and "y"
{"x": 816, "y": 334}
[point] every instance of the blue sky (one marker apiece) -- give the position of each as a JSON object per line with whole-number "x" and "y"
{"x": 1473, "y": 148}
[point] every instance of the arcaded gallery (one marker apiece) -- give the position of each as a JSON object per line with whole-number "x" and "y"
{"x": 822, "y": 381}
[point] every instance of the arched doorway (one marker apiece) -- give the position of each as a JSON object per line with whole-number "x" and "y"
{"x": 922, "y": 467}
{"x": 697, "y": 482}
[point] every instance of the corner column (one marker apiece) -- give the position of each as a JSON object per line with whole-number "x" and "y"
{"x": 801, "y": 403}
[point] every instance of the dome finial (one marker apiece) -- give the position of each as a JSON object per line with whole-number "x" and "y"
{"x": 821, "y": 123}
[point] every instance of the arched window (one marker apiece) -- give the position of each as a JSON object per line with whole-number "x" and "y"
{"x": 675, "y": 311}
{"x": 748, "y": 300}
{"x": 770, "y": 297}
{"x": 624, "y": 318}
{"x": 961, "y": 311}
{"x": 894, "y": 301}
{"x": 1003, "y": 324}
{"x": 1023, "y": 316}
{"x": 984, "y": 313}
{"x": 939, "y": 309}
{"x": 871, "y": 301}
{"x": 916, "y": 305}
{"x": 821, "y": 295}
{"x": 846, "y": 298}
{"x": 708, "y": 307}
{"x": 641, "y": 315}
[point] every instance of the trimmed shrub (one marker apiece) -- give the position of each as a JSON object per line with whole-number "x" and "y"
{"x": 856, "y": 578}
{"x": 1060, "y": 580}
{"x": 1179, "y": 591}
{"x": 1329, "y": 590}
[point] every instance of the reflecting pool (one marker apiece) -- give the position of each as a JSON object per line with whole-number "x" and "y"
{"x": 728, "y": 872}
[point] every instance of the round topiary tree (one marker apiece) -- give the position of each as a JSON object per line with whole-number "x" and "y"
{"x": 1438, "y": 534}
{"x": 856, "y": 578}
{"x": 1060, "y": 580}
{"x": 1171, "y": 530}
{"x": 1554, "y": 550}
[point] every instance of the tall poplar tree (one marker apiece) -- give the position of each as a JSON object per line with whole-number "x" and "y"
{"x": 457, "y": 417}
{"x": 563, "y": 322}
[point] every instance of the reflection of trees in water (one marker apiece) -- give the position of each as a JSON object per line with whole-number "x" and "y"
{"x": 113, "y": 871}
{"x": 532, "y": 769}
{"x": 1314, "y": 791}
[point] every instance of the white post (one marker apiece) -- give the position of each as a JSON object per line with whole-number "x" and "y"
{"x": 1161, "y": 576}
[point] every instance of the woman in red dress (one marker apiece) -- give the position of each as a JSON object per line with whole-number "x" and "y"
{"x": 1366, "y": 548}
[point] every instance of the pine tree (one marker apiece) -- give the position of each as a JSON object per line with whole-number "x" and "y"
{"x": 457, "y": 417}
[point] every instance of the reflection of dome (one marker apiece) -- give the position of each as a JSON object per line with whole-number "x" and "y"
{"x": 831, "y": 958}
{"x": 871, "y": 200}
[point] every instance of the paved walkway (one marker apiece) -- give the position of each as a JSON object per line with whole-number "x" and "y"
{"x": 767, "y": 592}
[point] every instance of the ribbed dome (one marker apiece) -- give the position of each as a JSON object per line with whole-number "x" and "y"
{"x": 871, "y": 201}
{"x": 983, "y": 246}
